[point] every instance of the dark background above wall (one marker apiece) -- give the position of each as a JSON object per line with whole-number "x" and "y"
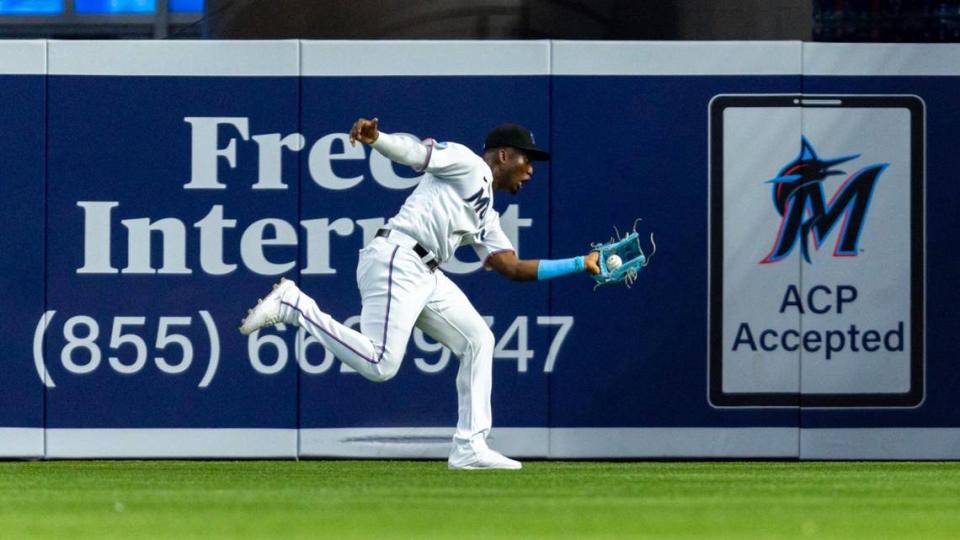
{"x": 808, "y": 20}
{"x": 504, "y": 19}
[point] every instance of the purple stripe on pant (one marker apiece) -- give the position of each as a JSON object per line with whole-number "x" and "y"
{"x": 386, "y": 320}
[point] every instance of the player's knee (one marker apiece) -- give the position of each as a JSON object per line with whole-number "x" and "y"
{"x": 385, "y": 371}
{"x": 488, "y": 339}
{"x": 482, "y": 340}
{"x": 390, "y": 370}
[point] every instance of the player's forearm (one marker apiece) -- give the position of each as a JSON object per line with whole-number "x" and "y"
{"x": 524, "y": 271}
{"x": 509, "y": 266}
{"x": 403, "y": 150}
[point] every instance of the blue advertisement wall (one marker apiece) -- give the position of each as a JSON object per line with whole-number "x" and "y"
{"x": 153, "y": 243}
{"x": 182, "y": 179}
{"x": 22, "y": 66}
{"x": 636, "y": 365}
{"x": 928, "y": 428}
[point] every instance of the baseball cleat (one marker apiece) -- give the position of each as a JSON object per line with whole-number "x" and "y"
{"x": 479, "y": 456}
{"x": 267, "y": 311}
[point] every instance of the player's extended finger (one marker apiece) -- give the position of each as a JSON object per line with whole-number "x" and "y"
{"x": 354, "y": 132}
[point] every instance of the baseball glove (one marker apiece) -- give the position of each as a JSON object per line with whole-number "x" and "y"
{"x": 631, "y": 256}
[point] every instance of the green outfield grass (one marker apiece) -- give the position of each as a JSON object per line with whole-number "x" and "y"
{"x": 388, "y": 499}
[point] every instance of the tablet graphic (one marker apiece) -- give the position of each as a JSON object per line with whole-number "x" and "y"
{"x": 816, "y": 251}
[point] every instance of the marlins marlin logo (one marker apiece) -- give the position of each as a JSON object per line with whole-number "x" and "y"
{"x": 798, "y": 196}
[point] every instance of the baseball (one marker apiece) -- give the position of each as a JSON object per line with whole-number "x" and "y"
{"x": 613, "y": 262}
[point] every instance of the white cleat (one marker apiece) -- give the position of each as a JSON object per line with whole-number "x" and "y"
{"x": 267, "y": 311}
{"x": 476, "y": 457}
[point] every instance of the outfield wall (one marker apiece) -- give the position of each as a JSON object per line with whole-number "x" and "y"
{"x": 802, "y": 195}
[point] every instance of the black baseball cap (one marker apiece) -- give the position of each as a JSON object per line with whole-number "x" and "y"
{"x": 515, "y": 136}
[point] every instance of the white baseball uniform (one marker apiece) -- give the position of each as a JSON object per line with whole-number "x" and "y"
{"x": 452, "y": 206}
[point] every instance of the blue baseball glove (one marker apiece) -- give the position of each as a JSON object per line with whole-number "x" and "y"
{"x": 621, "y": 260}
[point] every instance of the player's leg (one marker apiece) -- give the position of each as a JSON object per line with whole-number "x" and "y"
{"x": 451, "y": 319}
{"x": 394, "y": 285}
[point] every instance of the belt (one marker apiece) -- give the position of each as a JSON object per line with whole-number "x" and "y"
{"x": 400, "y": 239}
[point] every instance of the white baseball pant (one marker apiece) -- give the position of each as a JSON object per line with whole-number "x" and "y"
{"x": 399, "y": 291}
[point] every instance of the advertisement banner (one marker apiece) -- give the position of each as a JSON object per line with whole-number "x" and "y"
{"x": 174, "y": 207}
{"x": 811, "y": 304}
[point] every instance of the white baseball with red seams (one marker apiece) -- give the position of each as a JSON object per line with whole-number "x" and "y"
{"x": 452, "y": 206}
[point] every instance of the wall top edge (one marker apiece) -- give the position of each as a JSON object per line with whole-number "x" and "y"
{"x": 677, "y": 57}
{"x": 175, "y": 58}
{"x": 23, "y": 57}
{"x": 424, "y": 58}
{"x": 473, "y": 58}
{"x": 890, "y": 59}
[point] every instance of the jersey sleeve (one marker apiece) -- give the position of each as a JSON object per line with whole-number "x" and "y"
{"x": 492, "y": 239}
{"x": 402, "y": 149}
{"x": 449, "y": 161}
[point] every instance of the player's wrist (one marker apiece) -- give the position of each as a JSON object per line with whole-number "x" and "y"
{"x": 554, "y": 268}
{"x": 381, "y": 140}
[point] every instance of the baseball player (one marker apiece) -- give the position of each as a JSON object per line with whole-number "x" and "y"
{"x": 402, "y": 286}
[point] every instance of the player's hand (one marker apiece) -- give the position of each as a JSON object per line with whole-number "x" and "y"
{"x": 591, "y": 263}
{"x": 365, "y": 131}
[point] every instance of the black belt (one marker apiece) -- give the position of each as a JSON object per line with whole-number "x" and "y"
{"x": 428, "y": 258}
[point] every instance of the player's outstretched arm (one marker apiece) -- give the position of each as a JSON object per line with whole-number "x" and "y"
{"x": 403, "y": 150}
{"x": 508, "y": 265}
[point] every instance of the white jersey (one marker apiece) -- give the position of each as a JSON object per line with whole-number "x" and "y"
{"x": 453, "y": 204}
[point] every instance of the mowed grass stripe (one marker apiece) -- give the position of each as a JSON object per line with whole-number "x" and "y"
{"x": 396, "y": 499}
